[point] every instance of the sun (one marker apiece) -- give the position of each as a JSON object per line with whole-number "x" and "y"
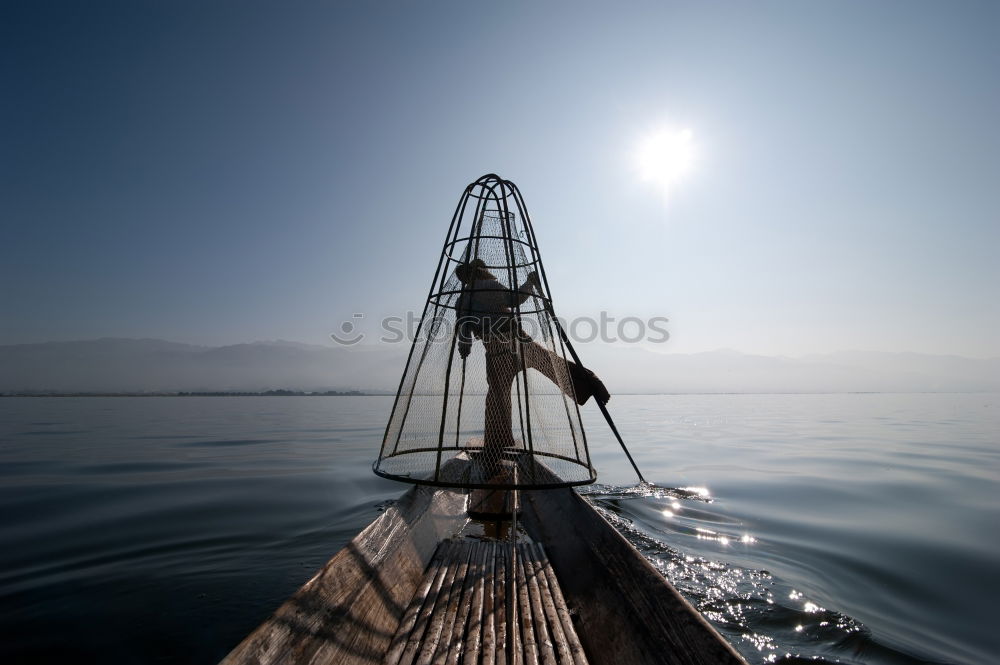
{"x": 664, "y": 157}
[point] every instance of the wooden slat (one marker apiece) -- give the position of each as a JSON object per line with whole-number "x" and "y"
{"x": 454, "y": 604}
{"x": 474, "y": 628}
{"x": 567, "y": 643}
{"x": 426, "y": 592}
{"x": 416, "y": 635}
{"x": 554, "y": 626}
{"x": 500, "y": 609}
{"x": 530, "y": 646}
{"x": 464, "y": 608}
{"x": 440, "y": 613}
{"x": 543, "y": 638}
{"x": 488, "y": 649}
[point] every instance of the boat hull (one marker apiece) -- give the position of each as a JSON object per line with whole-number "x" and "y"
{"x": 624, "y": 610}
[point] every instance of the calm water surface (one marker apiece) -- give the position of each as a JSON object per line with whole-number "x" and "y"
{"x": 850, "y": 528}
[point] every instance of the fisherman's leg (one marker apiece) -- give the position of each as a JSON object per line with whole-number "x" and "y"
{"x": 573, "y": 379}
{"x": 550, "y": 364}
{"x": 501, "y": 368}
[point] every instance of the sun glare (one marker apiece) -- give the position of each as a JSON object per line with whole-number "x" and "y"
{"x": 664, "y": 157}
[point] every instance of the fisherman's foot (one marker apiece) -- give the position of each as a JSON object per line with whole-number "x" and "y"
{"x": 586, "y": 383}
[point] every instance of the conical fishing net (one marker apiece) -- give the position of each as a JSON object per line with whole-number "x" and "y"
{"x": 488, "y": 398}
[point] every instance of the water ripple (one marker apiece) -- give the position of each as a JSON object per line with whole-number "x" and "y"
{"x": 765, "y": 618}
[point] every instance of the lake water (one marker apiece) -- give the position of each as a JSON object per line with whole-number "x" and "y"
{"x": 852, "y": 528}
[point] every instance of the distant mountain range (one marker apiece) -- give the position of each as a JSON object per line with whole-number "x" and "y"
{"x": 151, "y": 365}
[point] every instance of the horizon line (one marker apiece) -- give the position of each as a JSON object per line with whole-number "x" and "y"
{"x": 377, "y": 345}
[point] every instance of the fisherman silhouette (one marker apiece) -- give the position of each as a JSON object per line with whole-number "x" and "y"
{"x": 485, "y": 312}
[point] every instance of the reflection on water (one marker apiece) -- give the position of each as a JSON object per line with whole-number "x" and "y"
{"x": 850, "y": 528}
{"x": 766, "y": 619}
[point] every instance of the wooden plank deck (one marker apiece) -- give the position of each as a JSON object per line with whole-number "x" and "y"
{"x": 458, "y": 616}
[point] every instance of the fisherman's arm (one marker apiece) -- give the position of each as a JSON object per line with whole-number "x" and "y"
{"x": 529, "y": 288}
{"x": 466, "y": 330}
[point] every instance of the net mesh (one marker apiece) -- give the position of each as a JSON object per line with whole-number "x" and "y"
{"x": 488, "y": 397}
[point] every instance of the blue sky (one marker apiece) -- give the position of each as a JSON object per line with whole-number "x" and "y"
{"x": 226, "y": 172}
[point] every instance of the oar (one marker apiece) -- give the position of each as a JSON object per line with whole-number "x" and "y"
{"x": 604, "y": 409}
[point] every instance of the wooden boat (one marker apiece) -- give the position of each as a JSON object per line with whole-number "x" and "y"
{"x": 411, "y": 589}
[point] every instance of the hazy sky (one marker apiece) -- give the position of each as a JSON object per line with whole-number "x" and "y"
{"x": 231, "y": 171}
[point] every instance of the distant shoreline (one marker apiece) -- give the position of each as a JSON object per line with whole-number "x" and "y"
{"x": 222, "y": 393}
{"x": 358, "y": 393}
